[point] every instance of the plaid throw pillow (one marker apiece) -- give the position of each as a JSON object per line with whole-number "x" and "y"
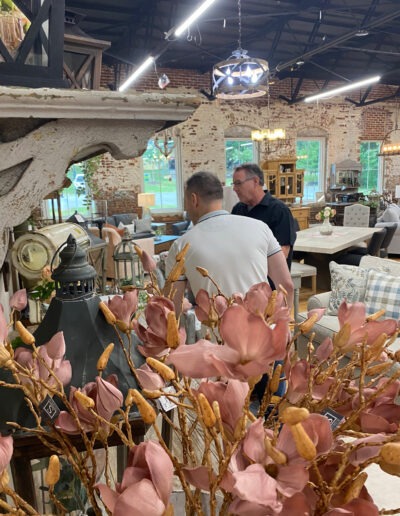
{"x": 383, "y": 291}
{"x": 348, "y": 282}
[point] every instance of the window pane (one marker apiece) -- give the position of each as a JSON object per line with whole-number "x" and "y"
{"x": 370, "y": 166}
{"x": 309, "y": 155}
{"x": 237, "y": 152}
{"x": 74, "y": 198}
{"x": 160, "y": 175}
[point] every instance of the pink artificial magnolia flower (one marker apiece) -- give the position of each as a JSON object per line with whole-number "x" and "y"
{"x": 231, "y": 396}
{"x": 205, "y": 305}
{"x": 154, "y": 336}
{"x": 52, "y": 353}
{"x": 250, "y": 346}
{"x": 355, "y": 315}
{"x": 148, "y": 262}
{"x": 19, "y": 300}
{"x": 149, "y": 379}
{"x": 3, "y": 326}
{"x": 107, "y": 398}
{"x": 257, "y": 482}
{"x": 298, "y": 376}
{"x": 257, "y": 298}
{"x": 124, "y": 307}
{"x": 6, "y": 451}
{"x": 382, "y": 414}
{"x": 357, "y": 507}
{"x": 146, "y": 485}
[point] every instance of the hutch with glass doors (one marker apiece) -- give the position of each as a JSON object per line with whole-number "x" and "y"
{"x": 283, "y": 179}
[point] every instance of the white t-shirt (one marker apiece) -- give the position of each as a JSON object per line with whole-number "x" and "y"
{"x": 234, "y": 250}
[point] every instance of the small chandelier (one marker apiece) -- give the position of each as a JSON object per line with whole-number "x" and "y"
{"x": 240, "y": 76}
{"x": 268, "y": 134}
{"x": 391, "y": 149}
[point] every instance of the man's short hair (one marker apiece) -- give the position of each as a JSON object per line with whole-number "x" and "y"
{"x": 206, "y": 185}
{"x": 251, "y": 170}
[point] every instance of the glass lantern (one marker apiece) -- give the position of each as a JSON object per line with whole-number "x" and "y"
{"x": 128, "y": 267}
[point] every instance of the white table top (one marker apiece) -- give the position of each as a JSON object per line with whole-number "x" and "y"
{"x": 311, "y": 241}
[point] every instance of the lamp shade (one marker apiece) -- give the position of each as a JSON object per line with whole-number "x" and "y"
{"x": 146, "y": 200}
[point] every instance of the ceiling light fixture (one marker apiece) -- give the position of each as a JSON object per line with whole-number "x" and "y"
{"x": 361, "y": 33}
{"x": 240, "y": 76}
{"x": 136, "y": 73}
{"x": 390, "y": 145}
{"x": 342, "y": 89}
{"x": 197, "y": 13}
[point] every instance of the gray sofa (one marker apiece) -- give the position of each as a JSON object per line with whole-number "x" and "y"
{"x": 142, "y": 227}
{"x": 389, "y": 216}
{"x": 329, "y": 324}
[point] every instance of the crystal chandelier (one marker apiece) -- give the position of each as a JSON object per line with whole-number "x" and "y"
{"x": 240, "y": 76}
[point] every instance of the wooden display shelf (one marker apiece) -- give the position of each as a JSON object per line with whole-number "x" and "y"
{"x": 283, "y": 179}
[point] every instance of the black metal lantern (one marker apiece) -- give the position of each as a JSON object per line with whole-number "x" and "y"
{"x": 128, "y": 267}
{"x": 74, "y": 277}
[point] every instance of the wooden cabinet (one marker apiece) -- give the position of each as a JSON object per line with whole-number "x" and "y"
{"x": 282, "y": 178}
{"x": 302, "y": 214}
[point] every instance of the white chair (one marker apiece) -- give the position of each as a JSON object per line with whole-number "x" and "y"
{"x": 356, "y": 215}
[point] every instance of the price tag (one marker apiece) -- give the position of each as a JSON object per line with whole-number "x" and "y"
{"x": 334, "y": 417}
{"x": 165, "y": 403}
{"x": 49, "y": 409}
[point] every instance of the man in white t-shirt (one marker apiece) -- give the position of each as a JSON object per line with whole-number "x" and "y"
{"x": 237, "y": 251}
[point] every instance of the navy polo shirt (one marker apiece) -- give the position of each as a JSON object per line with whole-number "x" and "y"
{"x": 276, "y": 215}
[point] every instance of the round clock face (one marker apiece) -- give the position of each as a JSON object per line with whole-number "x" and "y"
{"x": 33, "y": 256}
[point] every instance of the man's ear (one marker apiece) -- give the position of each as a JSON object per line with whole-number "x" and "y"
{"x": 194, "y": 199}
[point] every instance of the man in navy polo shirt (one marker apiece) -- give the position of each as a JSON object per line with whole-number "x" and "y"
{"x": 248, "y": 182}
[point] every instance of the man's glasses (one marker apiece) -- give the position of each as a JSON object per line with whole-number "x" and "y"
{"x": 238, "y": 183}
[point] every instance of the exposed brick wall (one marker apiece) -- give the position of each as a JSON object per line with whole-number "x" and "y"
{"x": 202, "y": 136}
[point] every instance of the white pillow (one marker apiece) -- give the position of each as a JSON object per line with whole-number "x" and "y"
{"x": 383, "y": 291}
{"x": 129, "y": 227}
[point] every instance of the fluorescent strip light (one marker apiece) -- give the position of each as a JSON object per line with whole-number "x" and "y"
{"x": 136, "y": 73}
{"x": 342, "y": 89}
{"x": 197, "y": 13}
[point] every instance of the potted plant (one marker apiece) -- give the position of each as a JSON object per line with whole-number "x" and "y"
{"x": 40, "y": 296}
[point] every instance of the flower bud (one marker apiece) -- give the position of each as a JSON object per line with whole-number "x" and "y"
{"x": 294, "y": 415}
{"x": 304, "y": 445}
{"x": 172, "y": 331}
{"x": 85, "y": 401}
{"x": 163, "y": 370}
{"x": 26, "y": 336}
{"x": 146, "y": 410}
{"x": 104, "y": 357}
{"x": 5, "y": 357}
{"x": 390, "y": 453}
{"x": 276, "y": 378}
{"x": 203, "y": 272}
{"x": 53, "y": 471}
{"x": 110, "y": 317}
{"x": 308, "y": 324}
{"x": 276, "y": 455}
{"x": 342, "y": 336}
{"x": 206, "y": 411}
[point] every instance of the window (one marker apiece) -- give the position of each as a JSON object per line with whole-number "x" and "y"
{"x": 238, "y": 151}
{"x": 310, "y": 158}
{"x": 161, "y": 175}
{"x": 370, "y": 166}
{"x": 77, "y": 196}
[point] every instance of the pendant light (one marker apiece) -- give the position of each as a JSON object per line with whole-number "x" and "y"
{"x": 240, "y": 76}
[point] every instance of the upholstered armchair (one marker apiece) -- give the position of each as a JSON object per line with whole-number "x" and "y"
{"x": 356, "y": 215}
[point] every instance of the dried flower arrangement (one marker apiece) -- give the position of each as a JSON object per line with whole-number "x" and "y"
{"x": 287, "y": 459}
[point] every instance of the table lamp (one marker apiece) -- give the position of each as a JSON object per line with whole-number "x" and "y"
{"x": 146, "y": 201}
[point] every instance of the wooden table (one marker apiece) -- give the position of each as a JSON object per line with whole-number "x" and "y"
{"x": 321, "y": 249}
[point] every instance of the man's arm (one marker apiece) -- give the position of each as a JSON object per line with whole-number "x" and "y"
{"x": 285, "y": 250}
{"x": 279, "y": 273}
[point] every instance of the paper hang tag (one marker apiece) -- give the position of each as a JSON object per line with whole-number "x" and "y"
{"x": 49, "y": 409}
{"x": 334, "y": 417}
{"x": 165, "y": 403}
